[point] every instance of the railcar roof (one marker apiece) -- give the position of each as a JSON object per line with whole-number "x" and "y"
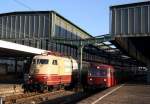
{"x": 48, "y": 56}
{"x": 102, "y": 65}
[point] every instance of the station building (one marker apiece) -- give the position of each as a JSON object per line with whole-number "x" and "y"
{"x": 37, "y": 28}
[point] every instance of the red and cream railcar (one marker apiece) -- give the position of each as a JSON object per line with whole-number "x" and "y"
{"x": 48, "y": 71}
{"x": 100, "y": 75}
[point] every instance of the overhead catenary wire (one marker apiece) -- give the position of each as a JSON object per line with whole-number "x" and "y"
{"x": 28, "y": 7}
{"x": 23, "y": 4}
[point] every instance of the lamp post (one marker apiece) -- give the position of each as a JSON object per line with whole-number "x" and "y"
{"x": 80, "y": 58}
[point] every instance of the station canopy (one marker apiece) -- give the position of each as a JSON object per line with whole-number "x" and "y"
{"x": 106, "y": 48}
{"x": 10, "y": 49}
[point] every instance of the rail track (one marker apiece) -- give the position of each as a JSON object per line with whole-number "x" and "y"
{"x": 55, "y": 97}
{"x": 34, "y": 98}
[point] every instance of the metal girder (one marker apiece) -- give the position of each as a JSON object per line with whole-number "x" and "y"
{"x": 83, "y": 42}
{"x": 98, "y": 42}
{"x": 132, "y": 35}
{"x": 132, "y": 51}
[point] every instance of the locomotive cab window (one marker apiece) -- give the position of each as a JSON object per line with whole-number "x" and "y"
{"x": 42, "y": 61}
{"x": 33, "y": 61}
{"x": 54, "y": 62}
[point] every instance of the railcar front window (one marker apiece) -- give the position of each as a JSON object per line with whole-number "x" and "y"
{"x": 103, "y": 72}
{"x": 98, "y": 72}
{"x": 42, "y": 61}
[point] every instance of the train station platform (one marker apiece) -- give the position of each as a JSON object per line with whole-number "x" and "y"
{"x": 122, "y": 94}
{"x": 9, "y": 89}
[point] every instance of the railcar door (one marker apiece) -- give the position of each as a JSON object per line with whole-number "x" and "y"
{"x": 112, "y": 76}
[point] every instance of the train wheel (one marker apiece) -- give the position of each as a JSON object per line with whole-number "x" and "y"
{"x": 58, "y": 87}
{"x": 85, "y": 88}
{"x": 31, "y": 88}
{"x": 45, "y": 88}
{"x": 50, "y": 88}
{"x": 41, "y": 88}
{"x": 62, "y": 87}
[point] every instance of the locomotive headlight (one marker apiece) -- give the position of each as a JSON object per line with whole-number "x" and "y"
{"x": 90, "y": 74}
{"x": 90, "y": 79}
{"x": 45, "y": 77}
{"x": 105, "y": 80}
{"x": 29, "y": 76}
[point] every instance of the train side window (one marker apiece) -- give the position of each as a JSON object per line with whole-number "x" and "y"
{"x": 54, "y": 62}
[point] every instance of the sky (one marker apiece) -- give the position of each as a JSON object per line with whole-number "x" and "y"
{"x": 90, "y": 15}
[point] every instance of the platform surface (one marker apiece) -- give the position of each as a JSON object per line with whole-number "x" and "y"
{"x": 121, "y": 94}
{"x": 9, "y": 89}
